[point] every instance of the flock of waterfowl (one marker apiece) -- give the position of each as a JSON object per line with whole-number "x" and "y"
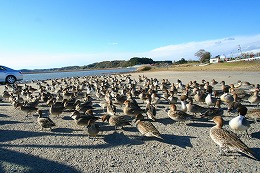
{"x": 126, "y": 101}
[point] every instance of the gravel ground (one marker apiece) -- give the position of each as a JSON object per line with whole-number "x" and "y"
{"x": 67, "y": 148}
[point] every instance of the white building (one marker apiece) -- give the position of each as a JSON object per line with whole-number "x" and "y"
{"x": 217, "y": 59}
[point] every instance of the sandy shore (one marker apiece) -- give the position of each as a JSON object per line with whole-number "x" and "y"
{"x": 67, "y": 148}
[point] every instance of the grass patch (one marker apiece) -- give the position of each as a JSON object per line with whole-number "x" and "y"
{"x": 226, "y": 66}
{"x": 144, "y": 68}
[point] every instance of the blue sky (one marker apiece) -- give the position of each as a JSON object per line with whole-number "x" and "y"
{"x": 58, "y": 33}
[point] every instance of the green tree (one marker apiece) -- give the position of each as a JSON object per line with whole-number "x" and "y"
{"x": 138, "y": 61}
{"x": 182, "y": 61}
{"x": 203, "y": 56}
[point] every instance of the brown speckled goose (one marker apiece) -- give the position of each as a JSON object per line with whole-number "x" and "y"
{"x": 178, "y": 116}
{"x": 253, "y": 114}
{"x": 117, "y": 121}
{"x": 227, "y": 141}
{"x": 255, "y": 98}
{"x": 146, "y": 128}
{"x": 93, "y": 128}
{"x": 44, "y": 122}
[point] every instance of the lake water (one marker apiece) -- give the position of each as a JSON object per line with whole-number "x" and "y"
{"x": 58, "y": 75}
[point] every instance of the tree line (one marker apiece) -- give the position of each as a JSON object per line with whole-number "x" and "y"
{"x": 203, "y": 57}
{"x": 123, "y": 63}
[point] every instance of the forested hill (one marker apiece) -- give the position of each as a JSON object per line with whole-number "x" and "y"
{"x": 102, "y": 65}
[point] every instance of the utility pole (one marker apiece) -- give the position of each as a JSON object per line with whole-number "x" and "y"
{"x": 240, "y": 51}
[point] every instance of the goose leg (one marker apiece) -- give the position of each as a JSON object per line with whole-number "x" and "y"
{"x": 221, "y": 152}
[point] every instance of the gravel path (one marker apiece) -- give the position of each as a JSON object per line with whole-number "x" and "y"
{"x": 67, "y": 148}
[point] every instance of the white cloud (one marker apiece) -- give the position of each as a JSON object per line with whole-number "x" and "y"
{"x": 113, "y": 43}
{"x": 35, "y": 61}
{"x": 216, "y": 47}
{"x": 170, "y": 52}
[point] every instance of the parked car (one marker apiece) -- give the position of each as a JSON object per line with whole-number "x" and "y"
{"x": 8, "y": 75}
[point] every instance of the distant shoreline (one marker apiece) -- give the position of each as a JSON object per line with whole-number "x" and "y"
{"x": 234, "y": 66}
{"x": 46, "y": 71}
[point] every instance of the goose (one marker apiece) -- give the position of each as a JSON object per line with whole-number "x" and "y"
{"x": 93, "y": 128}
{"x": 214, "y": 82}
{"x": 146, "y": 128}
{"x": 155, "y": 99}
{"x": 224, "y": 87}
{"x": 199, "y": 96}
{"x": 227, "y": 140}
{"x": 253, "y": 114}
{"x": 27, "y": 109}
{"x": 150, "y": 111}
{"x": 131, "y": 109}
{"x": 240, "y": 123}
{"x": 226, "y": 98}
{"x": 241, "y": 93}
{"x": 178, "y": 116}
{"x": 82, "y": 119}
{"x": 117, "y": 121}
{"x": 120, "y": 99}
{"x": 56, "y": 110}
{"x": 209, "y": 100}
{"x": 171, "y": 98}
{"x": 44, "y": 122}
{"x": 183, "y": 106}
{"x": 233, "y": 106}
{"x": 111, "y": 108}
{"x": 255, "y": 98}
{"x": 194, "y": 108}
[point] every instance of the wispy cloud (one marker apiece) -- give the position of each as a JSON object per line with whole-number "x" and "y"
{"x": 39, "y": 61}
{"x": 113, "y": 43}
{"x": 216, "y": 47}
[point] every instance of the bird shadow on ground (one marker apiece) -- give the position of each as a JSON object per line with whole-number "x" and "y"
{"x": 165, "y": 121}
{"x": 99, "y": 111}
{"x": 67, "y": 118}
{"x": 104, "y": 127}
{"x": 256, "y": 153}
{"x": 9, "y": 135}
{"x": 160, "y": 107}
{"x": 9, "y": 122}
{"x": 119, "y": 129}
{"x": 181, "y": 141}
{"x": 30, "y": 163}
{"x": 4, "y": 116}
{"x": 119, "y": 111}
{"x": 252, "y": 106}
{"x": 119, "y": 138}
{"x": 64, "y": 130}
{"x": 45, "y": 112}
{"x": 199, "y": 124}
{"x": 256, "y": 135}
{"x": 130, "y": 129}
